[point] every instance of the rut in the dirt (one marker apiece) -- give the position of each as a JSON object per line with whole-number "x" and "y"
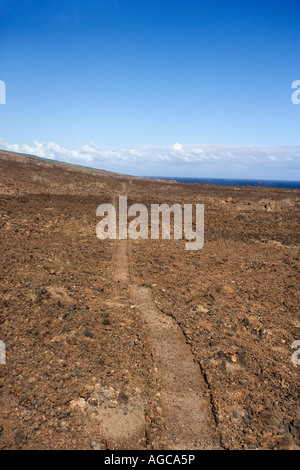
{"x": 185, "y": 403}
{"x": 186, "y": 410}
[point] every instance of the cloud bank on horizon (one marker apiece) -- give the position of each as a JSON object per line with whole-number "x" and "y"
{"x": 207, "y": 161}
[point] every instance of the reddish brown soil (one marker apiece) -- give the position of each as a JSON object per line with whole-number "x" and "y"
{"x": 111, "y": 343}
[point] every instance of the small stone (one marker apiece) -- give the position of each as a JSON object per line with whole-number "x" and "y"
{"x": 93, "y": 402}
{"x": 32, "y": 380}
{"x": 95, "y": 445}
{"x": 20, "y": 438}
{"x": 64, "y": 425}
{"x": 107, "y": 393}
{"x": 122, "y": 398}
{"x": 88, "y": 333}
{"x": 113, "y": 404}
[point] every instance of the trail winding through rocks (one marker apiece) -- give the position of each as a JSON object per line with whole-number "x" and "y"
{"x": 184, "y": 397}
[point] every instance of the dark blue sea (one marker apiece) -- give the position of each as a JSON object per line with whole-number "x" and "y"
{"x": 236, "y": 182}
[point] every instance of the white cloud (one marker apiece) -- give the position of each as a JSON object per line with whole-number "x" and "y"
{"x": 177, "y": 146}
{"x": 176, "y": 160}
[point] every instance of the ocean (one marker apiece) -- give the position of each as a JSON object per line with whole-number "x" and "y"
{"x": 235, "y": 182}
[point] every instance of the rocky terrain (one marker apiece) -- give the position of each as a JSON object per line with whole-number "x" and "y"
{"x": 140, "y": 344}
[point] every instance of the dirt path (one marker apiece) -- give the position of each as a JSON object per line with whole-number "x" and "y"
{"x": 184, "y": 398}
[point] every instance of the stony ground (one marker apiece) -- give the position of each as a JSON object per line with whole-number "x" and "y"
{"x": 90, "y": 326}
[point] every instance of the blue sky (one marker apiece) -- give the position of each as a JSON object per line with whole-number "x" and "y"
{"x": 116, "y": 84}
